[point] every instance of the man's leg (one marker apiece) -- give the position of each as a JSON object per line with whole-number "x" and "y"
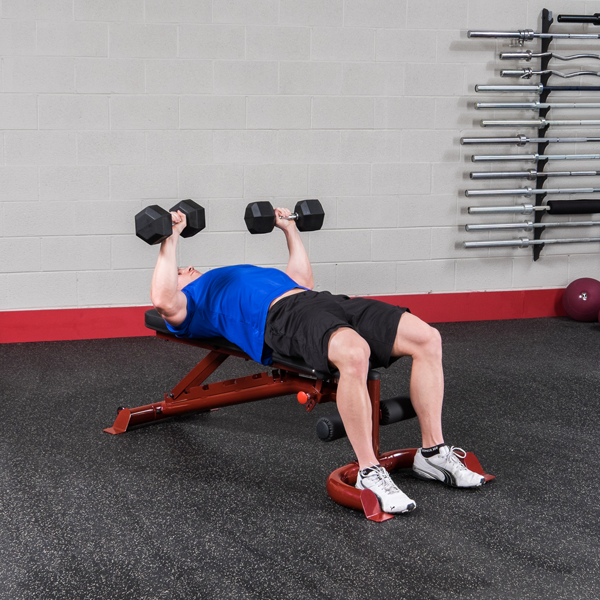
{"x": 350, "y": 354}
{"x": 423, "y": 343}
{"x": 417, "y": 339}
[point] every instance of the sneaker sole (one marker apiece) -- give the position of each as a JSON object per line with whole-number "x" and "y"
{"x": 408, "y": 509}
{"x": 452, "y": 483}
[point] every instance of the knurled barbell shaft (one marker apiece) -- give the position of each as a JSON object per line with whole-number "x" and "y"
{"x": 531, "y": 174}
{"x": 528, "y": 225}
{"x": 540, "y": 122}
{"x": 536, "y": 89}
{"x": 520, "y": 209}
{"x": 529, "y": 73}
{"x": 534, "y": 105}
{"x": 553, "y": 207}
{"x": 534, "y": 157}
{"x": 527, "y": 35}
{"x": 528, "y": 55}
{"x": 521, "y": 140}
{"x": 531, "y": 191}
{"x": 526, "y": 242}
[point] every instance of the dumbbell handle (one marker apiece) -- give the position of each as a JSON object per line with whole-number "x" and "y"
{"x": 292, "y": 217}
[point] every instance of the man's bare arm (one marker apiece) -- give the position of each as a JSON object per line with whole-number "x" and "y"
{"x": 298, "y": 267}
{"x": 170, "y": 302}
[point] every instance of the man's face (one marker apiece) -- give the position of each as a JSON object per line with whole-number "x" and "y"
{"x": 185, "y": 276}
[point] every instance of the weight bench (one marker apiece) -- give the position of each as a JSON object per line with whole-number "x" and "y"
{"x": 288, "y": 376}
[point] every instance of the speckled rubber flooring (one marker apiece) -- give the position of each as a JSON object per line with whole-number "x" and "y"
{"x": 232, "y": 504}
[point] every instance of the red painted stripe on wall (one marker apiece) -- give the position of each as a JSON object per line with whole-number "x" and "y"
{"x": 72, "y": 324}
{"x": 482, "y": 306}
{"x": 96, "y": 323}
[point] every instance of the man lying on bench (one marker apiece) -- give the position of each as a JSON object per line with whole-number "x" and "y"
{"x": 264, "y": 310}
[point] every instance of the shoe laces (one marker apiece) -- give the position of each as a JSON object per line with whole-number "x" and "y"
{"x": 385, "y": 481}
{"x": 455, "y": 456}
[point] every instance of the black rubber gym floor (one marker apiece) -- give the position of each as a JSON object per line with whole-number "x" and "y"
{"x": 232, "y": 504}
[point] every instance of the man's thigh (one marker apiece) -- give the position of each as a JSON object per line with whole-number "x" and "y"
{"x": 413, "y": 333}
{"x": 301, "y": 325}
{"x": 377, "y": 323}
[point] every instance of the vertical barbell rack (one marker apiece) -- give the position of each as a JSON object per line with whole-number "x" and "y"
{"x": 547, "y": 21}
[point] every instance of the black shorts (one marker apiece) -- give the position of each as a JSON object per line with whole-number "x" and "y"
{"x": 300, "y": 326}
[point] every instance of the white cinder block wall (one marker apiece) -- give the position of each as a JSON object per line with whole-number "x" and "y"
{"x": 107, "y": 106}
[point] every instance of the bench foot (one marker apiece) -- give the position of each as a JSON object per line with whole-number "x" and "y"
{"x": 372, "y": 508}
{"x": 470, "y": 461}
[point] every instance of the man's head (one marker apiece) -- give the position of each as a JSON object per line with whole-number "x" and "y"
{"x": 186, "y": 275}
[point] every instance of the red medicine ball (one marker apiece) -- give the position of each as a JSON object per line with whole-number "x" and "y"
{"x": 581, "y": 299}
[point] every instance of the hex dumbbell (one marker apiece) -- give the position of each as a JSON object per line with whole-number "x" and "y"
{"x": 154, "y": 224}
{"x": 260, "y": 216}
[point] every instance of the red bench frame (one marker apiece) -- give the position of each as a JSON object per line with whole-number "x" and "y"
{"x": 192, "y": 395}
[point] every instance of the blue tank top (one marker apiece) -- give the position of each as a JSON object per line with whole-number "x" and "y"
{"x": 232, "y": 302}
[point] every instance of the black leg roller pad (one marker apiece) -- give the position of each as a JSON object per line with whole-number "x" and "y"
{"x": 390, "y": 411}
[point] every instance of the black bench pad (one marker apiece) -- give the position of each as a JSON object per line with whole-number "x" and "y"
{"x": 155, "y": 322}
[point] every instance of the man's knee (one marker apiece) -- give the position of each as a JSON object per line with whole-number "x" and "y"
{"x": 433, "y": 342}
{"x": 349, "y": 352}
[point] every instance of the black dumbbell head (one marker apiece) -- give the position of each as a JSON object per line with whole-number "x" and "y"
{"x": 153, "y": 224}
{"x": 310, "y": 215}
{"x": 194, "y": 215}
{"x": 259, "y": 217}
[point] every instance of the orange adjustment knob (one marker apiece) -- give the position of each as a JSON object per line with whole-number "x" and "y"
{"x": 303, "y": 397}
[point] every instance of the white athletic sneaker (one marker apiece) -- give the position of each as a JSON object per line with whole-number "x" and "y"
{"x": 378, "y": 480}
{"x": 447, "y": 468}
